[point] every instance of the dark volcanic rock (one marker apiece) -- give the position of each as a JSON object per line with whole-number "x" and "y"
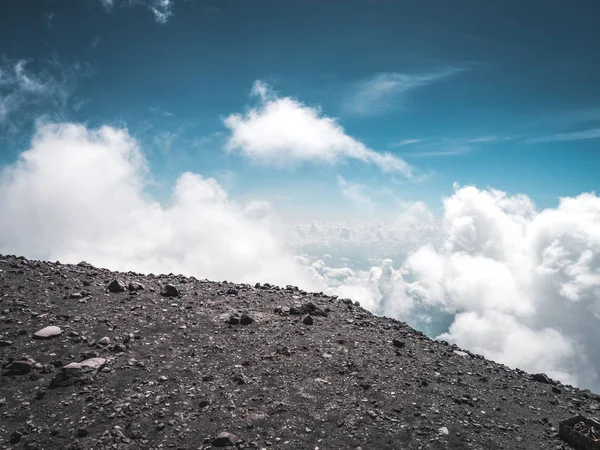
{"x": 541, "y": 378}
{"x": 20, "y": 367}
{"x": 398, "y": 343}
{"x": 307, "y": 320}
{"x": 179, "y": 369}
{"x": 116, "y": 286}
{"x": 168, "y": 290}
{"x": 246, "y": 319}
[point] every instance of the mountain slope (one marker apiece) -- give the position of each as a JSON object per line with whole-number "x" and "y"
{"x": 161, "y": 366}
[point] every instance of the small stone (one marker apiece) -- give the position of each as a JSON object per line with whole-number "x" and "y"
{"x": 240, "y": 379}
{"x": 116, "y": 286}
{"x": 234, "y": 319}
{"x": 284, "y": 351}
{"x": 15, "y": 437}
{"x": 232, "y": 291}
{"x": 82, "y": 432}
{"x": 162, "y": 379}
{"x": 224, "y": 439}
{"x": 48, "y": 332}
{"x": 307, "y": 320}
{"x": 104, "y": 341}
{"x": 119, "y": 348}
{"x": 168, "y": 290}
{"x": 398, "y": 343}
{"x": 5, "y": 343}
{"x": 246, "y": 319}
{"x": 443, "y": 431}
{"x": 76, "y": 295}
{"x": 556, "y": 390}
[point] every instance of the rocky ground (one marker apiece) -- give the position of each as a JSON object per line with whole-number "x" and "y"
{"x": 93, "y": 359}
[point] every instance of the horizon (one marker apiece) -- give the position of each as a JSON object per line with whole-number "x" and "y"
{"x": 437, "y": 163}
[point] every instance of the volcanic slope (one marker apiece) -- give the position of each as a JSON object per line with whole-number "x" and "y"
{"x": 127, "y": 361}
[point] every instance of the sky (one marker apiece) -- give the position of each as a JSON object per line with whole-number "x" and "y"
{"x": 436, "y": 161}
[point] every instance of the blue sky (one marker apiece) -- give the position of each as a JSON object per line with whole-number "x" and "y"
{"x": 500, "y": 95}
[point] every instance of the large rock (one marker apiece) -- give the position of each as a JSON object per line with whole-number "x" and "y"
{"x": 20, "y": 367}
{"x": 116, "y": 286}
{"x": 168, "y": 290}
{"x": 246, "y": 319}
{"x": 76, "y": 373}
{"x": 224, "y": 440}
{"x": 135, "y": 286}
{"x": 541, "y": 378}
{"x": 90, "y": 363}
{"x": 48, "y": 332}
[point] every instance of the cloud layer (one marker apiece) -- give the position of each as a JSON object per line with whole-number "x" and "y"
{"x": 282, "y": 131}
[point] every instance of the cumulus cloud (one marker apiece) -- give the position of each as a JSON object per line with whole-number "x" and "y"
{"x": 284, "y": 131}
{"x": 78, "y": 194}
{"x": 383, "y": 91}
{"x": 518, "y": 285}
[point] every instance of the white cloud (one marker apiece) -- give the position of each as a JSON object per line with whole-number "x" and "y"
{"x": 161, "y": 112}
{"x": 593, "y": 133}
{"x": 96, "y": 41}
{"x": 406, "y": 142}
{"x": 384, "y": 91}
{"x": 518, "y": 285}
{"x": 162, "y": 10}
{"x": 78, "y": 194}
{"x": 283, "y": 131}
{"x": 446, "y": 151}
{"x": 26, "y": 93}
{"x": 107, "y": 4}
{"x": 450, "y": 146}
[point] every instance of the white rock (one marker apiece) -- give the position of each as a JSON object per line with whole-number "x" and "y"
{"x": 90, "y": 363}
{"x": 48, "y": 332}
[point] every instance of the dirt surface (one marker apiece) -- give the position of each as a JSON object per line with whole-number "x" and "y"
{"x": 174, "y": 362}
